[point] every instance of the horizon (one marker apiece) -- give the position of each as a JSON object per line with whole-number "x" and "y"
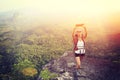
{"x": 96, "y": 14}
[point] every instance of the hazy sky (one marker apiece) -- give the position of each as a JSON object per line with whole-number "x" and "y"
{"x": 62, "y": 5}
{"x": 64, "y": 11}
{"x": 84, "y": 6}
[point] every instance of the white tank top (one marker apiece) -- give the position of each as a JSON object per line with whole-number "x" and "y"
{"x": 80, "y": 44}
{"x": 81, "y": 48}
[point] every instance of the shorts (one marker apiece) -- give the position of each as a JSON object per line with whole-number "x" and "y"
{"x": 80, "y": 52}
{"x": 77, "y": 55}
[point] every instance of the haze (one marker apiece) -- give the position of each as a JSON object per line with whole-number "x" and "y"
{"x": 100, "y": 14}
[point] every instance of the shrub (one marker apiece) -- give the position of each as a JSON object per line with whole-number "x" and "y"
{"x": 29, "y": 71}
{"x": 47, "y": 75}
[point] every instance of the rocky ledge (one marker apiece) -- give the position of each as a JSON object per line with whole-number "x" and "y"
{"x": 93, "y": 68}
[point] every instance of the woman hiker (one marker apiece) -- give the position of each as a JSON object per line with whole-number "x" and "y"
{"x": 79, "y": 34}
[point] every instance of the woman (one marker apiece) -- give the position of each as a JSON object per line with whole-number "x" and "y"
{"x": 79, "y": 34}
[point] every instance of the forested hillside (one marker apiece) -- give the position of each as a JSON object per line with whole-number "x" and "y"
{"x": 23, "y": 52}
{"x": 30, "y": 49}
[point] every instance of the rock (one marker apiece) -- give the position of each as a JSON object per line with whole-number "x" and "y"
{"x": 60, "y": 78}
{"x": 66, "y": 74}
{"x": 70, "y": 64}
{"x": 65, "y": 54}
{"x": 82, "y": 72}
{"x": 60, "y": 70}
{"x": 64, "y": 67}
